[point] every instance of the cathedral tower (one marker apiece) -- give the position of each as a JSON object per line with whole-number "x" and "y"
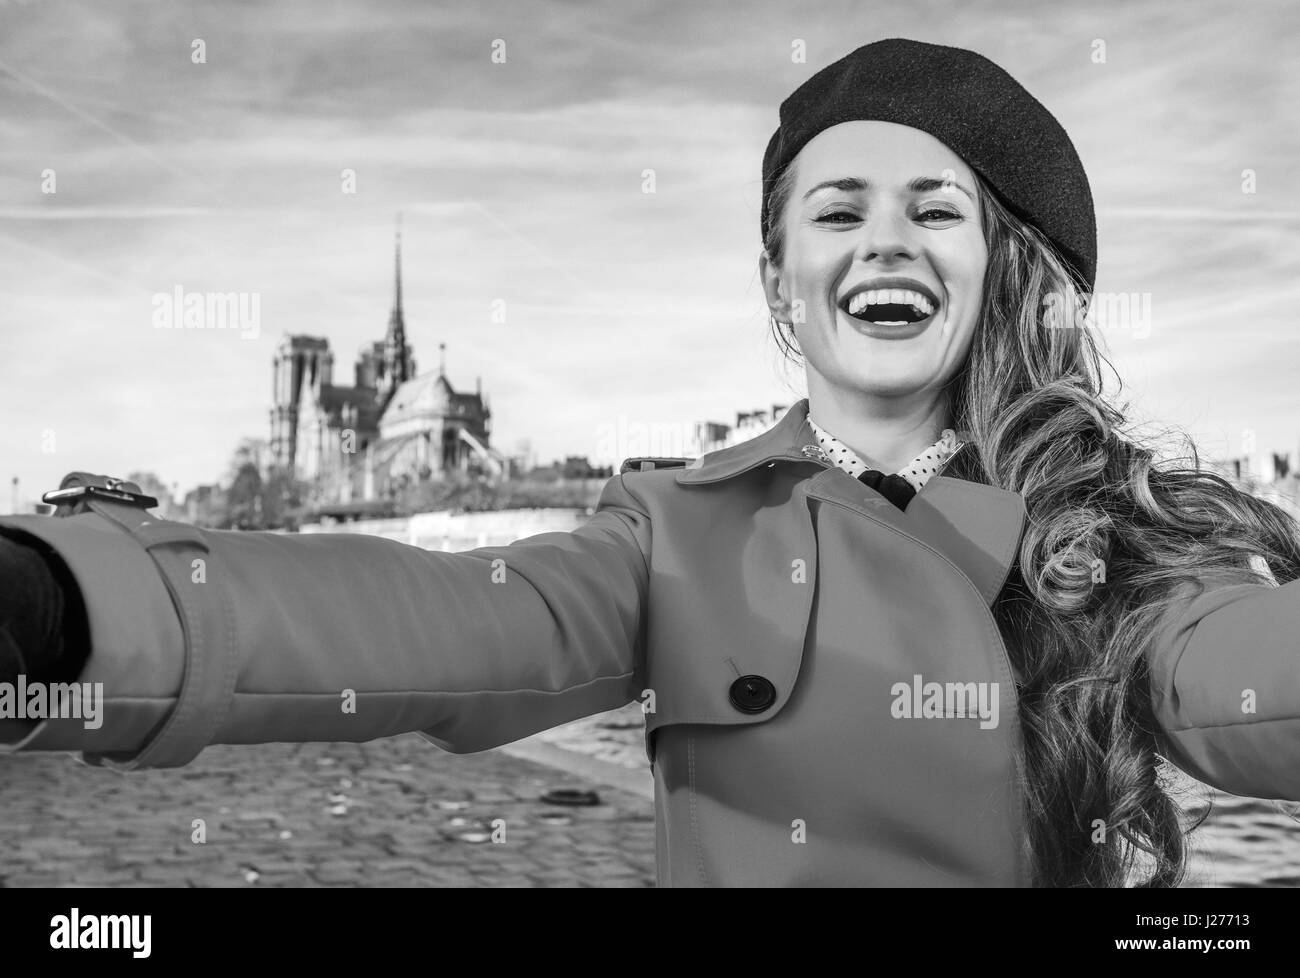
{"x": 300, "y": 362}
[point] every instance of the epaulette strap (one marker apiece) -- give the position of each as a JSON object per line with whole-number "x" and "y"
{"x": 207, "y": 624}
{"x": 648, "y": 463}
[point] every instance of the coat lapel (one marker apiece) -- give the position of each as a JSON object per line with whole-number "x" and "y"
{"x": 976, "y": 526}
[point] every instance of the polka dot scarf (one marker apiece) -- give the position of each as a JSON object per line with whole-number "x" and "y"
{"x": 917, "y": 473}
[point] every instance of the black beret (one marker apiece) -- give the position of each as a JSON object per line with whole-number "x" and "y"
{"x": 968, "y": 103}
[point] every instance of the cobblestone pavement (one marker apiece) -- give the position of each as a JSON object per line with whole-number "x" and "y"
{"x": 400, "y": 812}
{"x": 394, "y": 812}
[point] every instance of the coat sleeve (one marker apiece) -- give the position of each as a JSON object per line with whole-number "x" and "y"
{"x": 1225, "y": 685}
{"x": 343, "y": 637}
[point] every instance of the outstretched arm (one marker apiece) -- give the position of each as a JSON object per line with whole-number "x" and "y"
{"x": 258, "y": 637}
{"x": 1225, "y": 683}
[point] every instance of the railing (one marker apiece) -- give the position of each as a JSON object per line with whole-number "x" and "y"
{"x": 453, "y": 532}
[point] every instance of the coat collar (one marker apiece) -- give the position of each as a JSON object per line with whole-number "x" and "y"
{"x": 785, "y": 440}
{"x": 974, "y": 525}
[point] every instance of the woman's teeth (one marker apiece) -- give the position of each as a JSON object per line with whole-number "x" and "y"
{"x": 911, "y": 306}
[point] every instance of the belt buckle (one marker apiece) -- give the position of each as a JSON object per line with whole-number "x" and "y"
{"x": 112, "y": 489}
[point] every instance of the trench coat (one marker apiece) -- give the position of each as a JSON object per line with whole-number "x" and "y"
{"x": 828, "y": 699}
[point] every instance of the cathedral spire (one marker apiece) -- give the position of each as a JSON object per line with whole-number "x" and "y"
{"x": 397, "y": 355}
{"x": 396, "y": 322}
{"x": 397, "y": 302}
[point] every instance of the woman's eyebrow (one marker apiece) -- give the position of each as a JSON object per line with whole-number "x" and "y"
{"x": 918, "y": 185}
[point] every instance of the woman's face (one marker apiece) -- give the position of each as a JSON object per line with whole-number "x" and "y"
{"x": 875, "y": 202}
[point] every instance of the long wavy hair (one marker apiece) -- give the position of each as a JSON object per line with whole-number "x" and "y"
{"x": 1030, "y": 396}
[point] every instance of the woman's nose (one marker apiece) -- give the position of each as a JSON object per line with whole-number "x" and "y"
{"x": 885, "y": 236}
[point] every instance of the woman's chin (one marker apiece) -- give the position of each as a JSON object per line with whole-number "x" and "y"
{"x": 886, "y": 384}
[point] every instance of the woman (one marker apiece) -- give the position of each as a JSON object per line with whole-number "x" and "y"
{"x": 962, "y": 672}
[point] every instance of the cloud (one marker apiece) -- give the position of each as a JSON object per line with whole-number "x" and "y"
{"x": 522, "y": 182}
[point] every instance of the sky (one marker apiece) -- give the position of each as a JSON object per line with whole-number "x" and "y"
{"x": 520, "y": 185}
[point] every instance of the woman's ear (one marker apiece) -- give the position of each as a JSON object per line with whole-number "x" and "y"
{"x": 777, "y": 303}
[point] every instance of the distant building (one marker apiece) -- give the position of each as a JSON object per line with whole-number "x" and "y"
{"x": 1246, "y": 469}
{"x": 713, "y": 435}
{"x": 580, "y": 467}
{"x": 204, "y": 505}
{"x": 389, "y": 428}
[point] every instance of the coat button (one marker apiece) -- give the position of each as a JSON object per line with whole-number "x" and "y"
{"x": 752, "y": 694}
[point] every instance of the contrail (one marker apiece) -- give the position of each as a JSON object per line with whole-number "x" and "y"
{"x": 1245, "y": 214}
{"x": 99, "y": 213}
{"x": 85, "y": 116}
{"x": 116, "y": 282}
{"x": 524, "y": 241}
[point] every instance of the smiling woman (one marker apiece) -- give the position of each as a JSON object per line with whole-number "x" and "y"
{"x": 940, "y": 626}
{"x": 888, "y": 253}
{"x": 918, "y": 301}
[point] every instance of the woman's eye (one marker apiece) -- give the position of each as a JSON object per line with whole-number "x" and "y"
{"x": 929, "y": 214}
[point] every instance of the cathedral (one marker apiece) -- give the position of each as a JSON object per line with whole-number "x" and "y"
{"x": 390, "y": 428}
